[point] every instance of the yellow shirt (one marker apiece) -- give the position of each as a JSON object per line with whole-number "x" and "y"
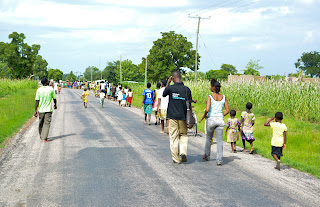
{"x": 85, "y": 95}
{"x": 278, "y": 129}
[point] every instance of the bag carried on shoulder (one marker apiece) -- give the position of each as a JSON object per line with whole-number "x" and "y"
{"x": 190, "y": 120}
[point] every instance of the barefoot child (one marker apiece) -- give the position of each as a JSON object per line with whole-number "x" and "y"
{"x": 279, "y": 138}
{"x": 130, "y": 96}
{"x": 102, "y": 97}
{"x": 124, "y": 99}
{"x": 147, "y": 101}
{"x": 84, "y": 97}
{"x": 119, "y": 95}
{"x": 232, "y": 131}
{"x": 247, "y": 122}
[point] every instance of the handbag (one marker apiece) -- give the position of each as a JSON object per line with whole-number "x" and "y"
{"x": 190, "y": 120}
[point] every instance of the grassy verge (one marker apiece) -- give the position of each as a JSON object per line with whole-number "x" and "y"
{"x": 17, "y": 106}
{"x": 303, "y": 144}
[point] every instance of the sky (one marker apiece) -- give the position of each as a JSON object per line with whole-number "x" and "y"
{"x": 75, "y": 34}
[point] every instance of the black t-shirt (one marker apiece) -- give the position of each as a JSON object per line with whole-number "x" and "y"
{"x": 177, "y": 107}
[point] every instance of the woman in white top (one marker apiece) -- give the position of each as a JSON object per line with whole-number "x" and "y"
{"x": 215, "y": 122}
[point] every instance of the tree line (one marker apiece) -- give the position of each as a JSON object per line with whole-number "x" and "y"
{"x": 169, "y": 53}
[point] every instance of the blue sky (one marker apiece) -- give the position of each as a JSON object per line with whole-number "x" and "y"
{"x": 79, "y": 33}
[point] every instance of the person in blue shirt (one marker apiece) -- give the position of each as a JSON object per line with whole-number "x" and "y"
{"x": 147, "y": 101}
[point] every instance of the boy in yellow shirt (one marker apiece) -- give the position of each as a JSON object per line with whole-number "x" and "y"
{"x": 279, "y": 138}
{"x": 84, "y": 97}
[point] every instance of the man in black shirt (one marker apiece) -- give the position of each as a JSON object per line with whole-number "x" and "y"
{"x": 176, "y": 113}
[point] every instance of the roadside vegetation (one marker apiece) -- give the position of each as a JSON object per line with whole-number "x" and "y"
{"x": 298, "y": 101}
{"x": 16, "y": 104}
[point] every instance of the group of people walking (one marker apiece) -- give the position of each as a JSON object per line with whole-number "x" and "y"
{"x": 170, "y": 103}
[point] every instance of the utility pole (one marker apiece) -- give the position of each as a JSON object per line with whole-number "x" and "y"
{"x": 100, "y": 66}
{"x": 91, "y": 74}
{"x": 145, "y": 72}
{"x": 120, "y": 70}
{"x": 196, "y": 59}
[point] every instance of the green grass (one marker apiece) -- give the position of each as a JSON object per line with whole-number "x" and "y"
{"x": 303, "y": 142}
{"x": 17, "y": 106}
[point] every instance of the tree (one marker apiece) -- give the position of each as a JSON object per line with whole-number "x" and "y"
{"x": 130, "y": 71}
{"x": 111, "y": 72}
{"x": 96, "y": 74}
{"x": 217, "y": 74}
{"x": 40, "y": 67}
{"x": 4, "y": 70}
{"x": 55, "y": 74}
{"x": 190, "y": 76}
{"x": 252, "y": 68}
{"x": 19, "y": 56}
{"x": 229, "y": 68}
{"x": 72, "y": 77}
{"x": 309, "y": 63}
{"x": 170, "y": 53}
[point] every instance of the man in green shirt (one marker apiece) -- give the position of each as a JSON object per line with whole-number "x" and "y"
{"x": 43, "y": 107}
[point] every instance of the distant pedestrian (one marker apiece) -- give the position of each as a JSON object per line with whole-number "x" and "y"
{"x": 43, "y": 107}
{"x": 113, "y": 90}
{"x": 55, "y": 87}
{"x": 119, "y": 95}
{"x": 147, "y": 101}
{"x": 124, "y": 99}
{"x": 59, "y": 88}
{"x": 102, "y": 97}
{"x": 176, "y": 113}
{"x": 84, "y": 97}
{"x": 232, "y": 130}
{"x": 156, "y": 103}
{"x": 109, "y": 91}
{"x": 279, "y": 138}
{"x": 129, "y": 97}
{"x": 214, "y": 121}
{"x": 247, "y": 122}
{"x": 163, "y": 106}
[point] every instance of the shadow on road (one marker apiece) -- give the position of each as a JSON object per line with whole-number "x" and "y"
{"x": 60, "y": 137}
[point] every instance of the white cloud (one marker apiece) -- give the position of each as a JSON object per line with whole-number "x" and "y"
{"x": 146, "y": 3}
{"x": 309, "y": 37}
{"x": 236, "y": 39}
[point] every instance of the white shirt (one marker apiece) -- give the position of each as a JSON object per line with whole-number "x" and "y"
{"x": 164, "y": 100}
{"x": 102, "y": 95}
{"x": 55, "y": 86}
{"x": 103, "y": 86}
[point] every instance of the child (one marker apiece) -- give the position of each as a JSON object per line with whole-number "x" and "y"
{"x": 124, "y": 99}
{"x": 84, "y": 97}
{"x": 232, "y": 131}
{"x": 130, "y": 96}
{"x": 119, "y": 95}
{"x": 102, "y": 97}
{"x": 109, "y": 91}
{"x": 279, "y": 138}
{"x": 155, "y": 103}
{"x": 147, "y": 101}
{"x": 247, "y": 122}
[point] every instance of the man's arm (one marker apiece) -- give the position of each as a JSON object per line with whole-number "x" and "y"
{"x": 55, "y": 103}
{"x": 36, "y": 108}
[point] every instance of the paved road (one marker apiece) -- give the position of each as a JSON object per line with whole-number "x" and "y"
{"x": 108, "y": 157}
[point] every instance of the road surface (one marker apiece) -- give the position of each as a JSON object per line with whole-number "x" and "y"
{"x": 108, "y": 157}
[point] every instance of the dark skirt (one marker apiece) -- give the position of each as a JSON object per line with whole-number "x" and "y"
{"x": 276, "y": 151}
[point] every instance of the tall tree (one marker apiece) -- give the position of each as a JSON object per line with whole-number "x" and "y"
{"x": 40, "y": 67}
{"x": 72, "y": 77}
{"x": 217, "y": 74}
{"x": 4, "y": 70}
{"x": 96, "y": 74}
{"x": 229, "y": 68}
{"x": 309, "y": 63}
{"x": 111, "y": 72}
{"x": 19, "y": 56}
{"x": 55, "y": 74}
{"x": 253, "y": 68}
{"x": 170, "y": 53}
{"x": 131, "y": 72}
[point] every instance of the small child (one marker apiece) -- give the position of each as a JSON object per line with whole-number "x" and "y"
{"x": 232, "y": 131}
{"x": 130, "y": 96}
{"x": 102, "y": 97}
{"x": 120, "y": 95}
{"x": 84, "y": 97}
{"x": 279, "y": 138}
{"x": 124, "y": 99}
{"x": 247, "y": 122}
